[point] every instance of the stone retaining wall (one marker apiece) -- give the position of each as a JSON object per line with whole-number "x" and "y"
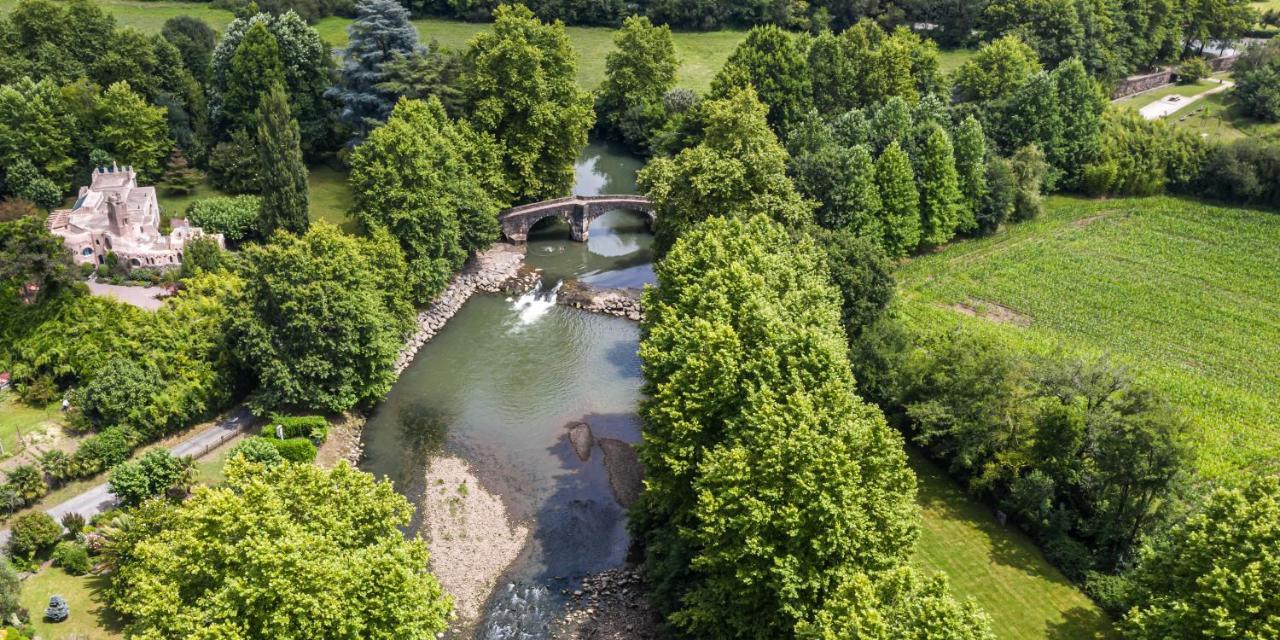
{"x": 487, "y": 272}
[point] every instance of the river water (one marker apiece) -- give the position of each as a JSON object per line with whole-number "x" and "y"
{"x": 503, "y": 379}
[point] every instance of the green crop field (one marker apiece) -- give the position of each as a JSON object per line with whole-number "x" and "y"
{"x": 998, "y": 567}
{"x": 1183, "y": 292}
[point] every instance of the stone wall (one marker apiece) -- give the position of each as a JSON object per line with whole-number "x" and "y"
{"x": 1147, "y": 82}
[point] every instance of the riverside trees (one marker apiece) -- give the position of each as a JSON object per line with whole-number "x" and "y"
{"x": 770, "y": 487}
{"x": 638, "y": 73}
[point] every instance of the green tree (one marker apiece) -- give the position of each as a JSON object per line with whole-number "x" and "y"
{"x": 286, "y": 552}
{"x": 1002, "y": 191}
{"x": 522, "y": 90}
{"x": 201, "y": 255}
{"x": 380, "y": 33}
{"x": 738, "y": 169}
{"x": 895, "y": 605}
{"x": 1031, "y": 116}
{"x": 899, "y": 201}
{"x": 258, "y": 451}
{"x": 1081, "y": 102}
{"x": 415, "y": 178}
{"x": 892, "y": 122}
{"x": 843, "y": 182}
{"x": 1257, "y": 76}
{"x": 768, "y": 482}
{"x": 833, "y": 73}
{"x": 773, "y": 62}
{"x": 34, "y": 263}
{"x": 25, "y": 481}
{"x": 863, "y": 275}
{"x": 255, "y": 68}
{"x": 10, "y": 591}
{"x": 36, "y": 126}
{"x": 282, "y": 176}
{"x": 971, "y": 169}
{"x": 998, "y": 69}
{"x": 1029, "y": 170}
{"x": 312, "y": 323}
{"x": 638, "y": 72}
{"x": 33, "y": 535}
{"x": 941, "y": 202}
{"x": 117, "y": 394}
{"x": 194, "y": 39}
{"x": 1217, "y": 575}
{"x": 132, "y": 131}
{"x": 154, "y": 474}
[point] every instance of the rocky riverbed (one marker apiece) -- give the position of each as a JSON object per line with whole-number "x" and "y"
{"x": 490, "y": 271}
{"x": 623, "y": 303}
{"x": 610, "y": 605}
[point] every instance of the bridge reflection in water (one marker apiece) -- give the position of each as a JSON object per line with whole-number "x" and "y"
{"x": 578, "y": 211}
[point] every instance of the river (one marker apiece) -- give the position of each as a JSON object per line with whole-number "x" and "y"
{"x": 502, "y": 380}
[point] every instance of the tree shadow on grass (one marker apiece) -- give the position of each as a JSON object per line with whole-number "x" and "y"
{"x": 1081, "y": 624}
{"x": 108, "y": 619}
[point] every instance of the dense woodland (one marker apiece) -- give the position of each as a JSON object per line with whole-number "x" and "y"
{"x": 781, "y": 383}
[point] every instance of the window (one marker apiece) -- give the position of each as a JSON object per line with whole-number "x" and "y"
{"x": 87, "y": 251}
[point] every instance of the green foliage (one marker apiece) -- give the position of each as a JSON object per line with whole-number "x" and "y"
{"x": 234, "y": 164}
{"x": 1257, "y": 77}
{"x": 33, "y": 535}
{"x": 132, "y": 131}
{"x": 1081, "y": 102}
{"x": 294, "y": 449}
{"x": 900, "y": 202}
{"x": 282, "y": 176}
{"x": 201, "y": 255}
{"x": 258, "y": 451}
{"x": 117, "y": 394}
{"x": 1142, "y": 157}
{"x": 254, "y": 69}
{"x": 57, "y": 465}
{"x": 34, "y": 264}
{"x": 235, "y": 217}
{"x": 10, "y": 590}
{"x": 1193, "y": 70}
{"x": 194, "y": 39}
{"x": 380, "y": 33}
{"x": 27, "y": 483}
{"x": 17, "y": 208}
{"x": 971, "y": 171}
{"x": 1217, "y": 575}
{"x": 105, "y": 450}
{"x": 1001, "y": 198}
{"x": 736, "y": 169}
{"x": 895, "y": 604}
{"x": 25, "y": 182}
{"x": 72, "y": 557}
{"x": 638, "y": 73}
{"x": 1030, "y": 170}
{"x": 774, "y": 63}
{"x": 521, "y": 89}
{"x": 314, "y": 323}
{"x": 315, "y": 428}
{"x": 35, "y": 126}
{"x": 74, "y": 523}
{"x": 154, "y": 474}
{"x": 998, "y": 69}
{"x": 430, "y": 183}
{"x": 941, "y": 205}
{"x": 302, "y": 552}
{"x": 767, "y": 481}
{"x": 862, "y": 274}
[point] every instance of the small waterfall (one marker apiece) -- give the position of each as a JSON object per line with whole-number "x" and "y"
{"x": 522, "y": 612}
{"x": 535, "y": 304}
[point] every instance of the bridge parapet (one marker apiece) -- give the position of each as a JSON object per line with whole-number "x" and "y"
{"x": 578, "y": 211}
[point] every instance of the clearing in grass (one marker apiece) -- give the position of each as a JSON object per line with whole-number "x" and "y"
{"x": 998, "y": 567}
{"x": 1181, "y": 291}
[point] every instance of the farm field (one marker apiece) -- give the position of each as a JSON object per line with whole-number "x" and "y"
{"x": 1183, "y": 292}
{"x": 998, "y": 567}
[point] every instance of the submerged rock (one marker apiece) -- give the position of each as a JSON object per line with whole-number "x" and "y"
{"x": 582, "y": 440}
{"x": 626, "y": 474}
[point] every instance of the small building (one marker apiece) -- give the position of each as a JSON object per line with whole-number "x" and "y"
{"x": 114, "y": 215}
{"x": 4, "y": 380}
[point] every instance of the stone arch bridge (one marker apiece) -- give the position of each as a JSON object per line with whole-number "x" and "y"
{"x": 578, "y": 211}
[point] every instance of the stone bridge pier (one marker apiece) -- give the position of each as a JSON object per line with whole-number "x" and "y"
{"x": 578, "y": 211}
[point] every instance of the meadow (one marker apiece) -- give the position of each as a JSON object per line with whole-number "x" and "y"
{"x": 1182, "y": 292}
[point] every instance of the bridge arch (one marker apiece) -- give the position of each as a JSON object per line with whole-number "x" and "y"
{"x": 578, "y": 211}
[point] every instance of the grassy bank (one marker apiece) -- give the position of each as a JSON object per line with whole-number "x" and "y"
{"x": 997, "y": 567}
{"x": 1183, "y": 292}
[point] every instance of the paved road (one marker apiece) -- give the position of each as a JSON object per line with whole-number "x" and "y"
{"x": 99, "y": 498}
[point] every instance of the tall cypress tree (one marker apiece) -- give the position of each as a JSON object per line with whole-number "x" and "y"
{"x": 899, "y": 201}
{"x": 940, "y": 197}
{"x": 254, "y": 68}
{"x": 1080, "y": 105}
{"x": 971, "y": 154}
{"x": 282, "y": 175}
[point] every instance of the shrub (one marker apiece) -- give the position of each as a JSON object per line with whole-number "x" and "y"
{"x": 155, "y": 473}
{"x": 38, "y": 391}
{"x": 257, "y": 450}
{"x": 15, "y": 208}
{"x": 1193, "y": 69}
{"x": 10, "y": 594}
{"x": 314, "y": 427}
{"x": 294, "y": 449}
{"x": 234, "y": 217}
{"x": 33, "y": 535}
{"x": 72, "y": 557}
{"x": 27, "y": 483}
{"x": 57, "y": 465}
{"x": 233, "y": 165}
{"x": 105, "y": 450}
{"x": 74, "y": 523}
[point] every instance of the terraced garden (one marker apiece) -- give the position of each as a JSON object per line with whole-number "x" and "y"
{"x": 1184, "y": 292}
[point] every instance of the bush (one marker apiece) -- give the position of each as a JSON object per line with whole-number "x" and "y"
{"x": 233, "y": 165}
{"x": 294, "y": 449}
{"x": 235, "y": 217}
{"x": 257, "y": 450}
{"x": 27, "y": 483}
{"x": 38, "y": 392}
{"x": 315, "y": 428}
{"x": 105, "y": 450}
{"x": 72, "y": 557}
{"x": 15, "y": 208}
{"x": 154, "y": 474}
{"x": 118, "y": 393}
{"x": 1192, "y": 70}
{"x": 74, "y": 523}
{"x": 33, "y": 535}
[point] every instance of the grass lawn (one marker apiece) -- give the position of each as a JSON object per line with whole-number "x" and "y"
{"x": 1181, "y": 291}
{"x": 701, "y": 53}
{"x": 950, "y": 59}
{"x": 997, "y": 567}
{"x": 330, "y": 197}
{"x": 149, "y": 16}
{"x": 1217, "y": 117}
{"x": 16, "y": 417}
{"x": 1145, "y": 98}
{"x": 209, "y": 468}
{"x": 89, "y": 618}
